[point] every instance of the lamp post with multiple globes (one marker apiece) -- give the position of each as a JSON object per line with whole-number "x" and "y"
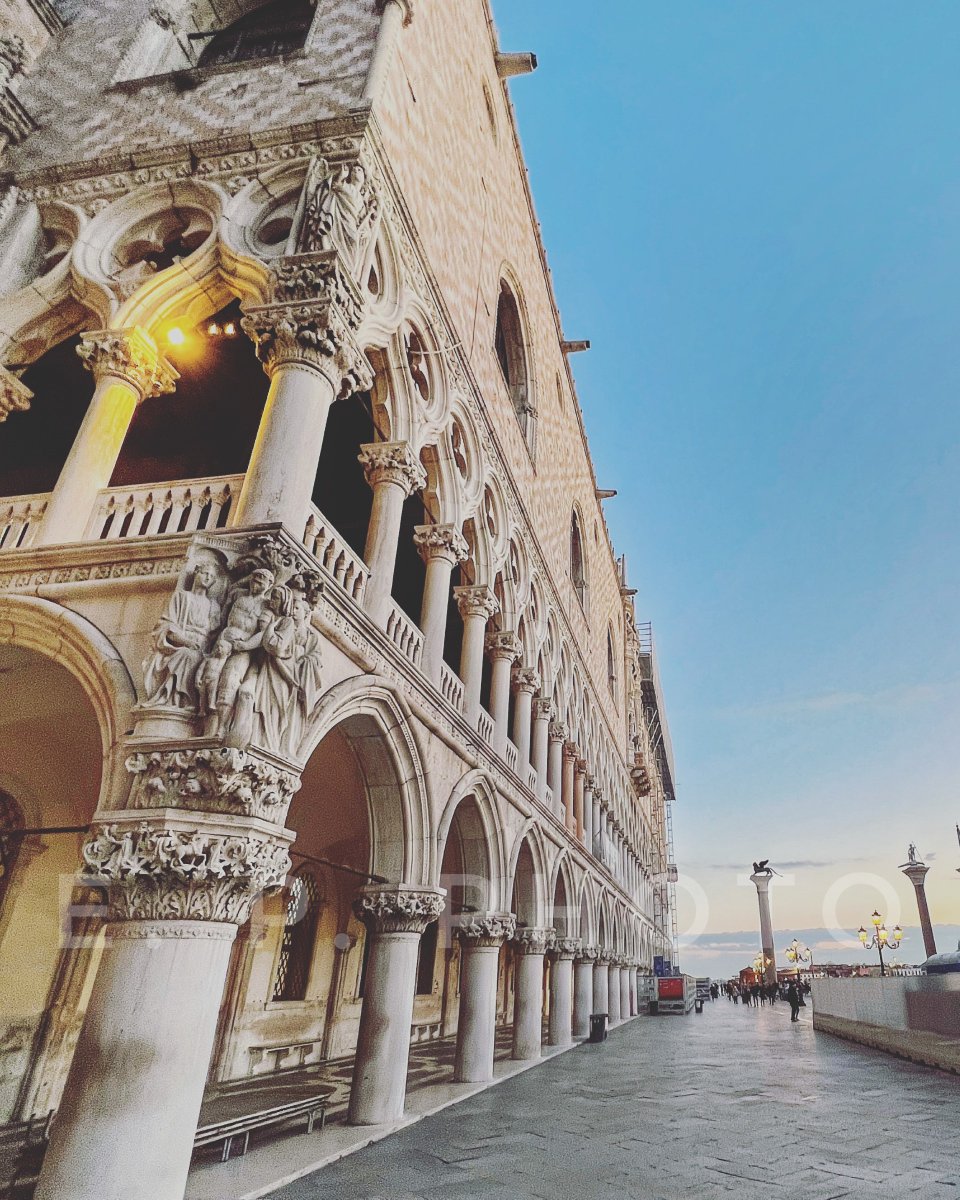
{"x": 799, "y": 955}
{"x": 882, "y": 939}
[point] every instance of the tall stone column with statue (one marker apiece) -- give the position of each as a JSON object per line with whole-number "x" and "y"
{"x": 916, "y": 871}
{"x": 762, "y": 874}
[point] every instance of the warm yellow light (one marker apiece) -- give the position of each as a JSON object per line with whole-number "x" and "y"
{"x": 862, "y": 935}
{"x": 897, "y": 933}
{"x": 213, "y": 329}
{"x": 882, "y": 933}
{"x": 876, "y": 918}
{"x": 176, "y": 336}
{"x": 230, "y": 329}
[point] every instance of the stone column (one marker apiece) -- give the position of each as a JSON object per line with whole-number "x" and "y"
{"x": 542, "y": 712}
{"x": 588, "y": 826}
{"x": 481, "y": 938}
{"x": 601, "y": 982}
{"x": 558, "y": 735}
{"x": 525, "y": 682}
{"x": 562, "y": 953}
{"x": 395, "y": 917}
{"x": 613, "y": 989}
{"x": 579, "y": 791}
{"x": 596, "y": 846}
{"x": 634, "y": 989}
{"x": 504, "y": 649}
{"x": 529, "y": 947}
{"x": 761, "y": 881}
{"x": 306, "y": 342}
{"x": 128, "y": 369}
{"x": 394, "y": 472}
{"x": 916, "y": 872}
{"x": 477, "y": 605}
{"x": 583, "y": 972}
{"x": 441, "y": 547}
{"x": 570, "y": 754}
{"x": 179, "y": 882}
{"x": 626, "y": 1008}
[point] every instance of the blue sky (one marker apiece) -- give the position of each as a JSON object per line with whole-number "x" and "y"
{"x": 752, "y": 209}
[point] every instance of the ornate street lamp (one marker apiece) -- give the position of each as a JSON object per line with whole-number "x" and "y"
{"x": 760, "y": 964}
{"x": 799, "y": 955}
{"x": 882, "y": 939}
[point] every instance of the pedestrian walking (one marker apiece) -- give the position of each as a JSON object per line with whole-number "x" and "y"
{"x": 793, "y": 999}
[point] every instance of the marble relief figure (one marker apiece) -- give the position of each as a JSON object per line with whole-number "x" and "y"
{"x": 341, "y": 211}
{"x": 182, "y": 639}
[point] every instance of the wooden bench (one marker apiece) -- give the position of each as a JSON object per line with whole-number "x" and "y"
{"x": 234, "y": 1127}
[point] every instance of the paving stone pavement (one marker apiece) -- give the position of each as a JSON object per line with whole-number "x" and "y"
{"x": 729, "y": 1103}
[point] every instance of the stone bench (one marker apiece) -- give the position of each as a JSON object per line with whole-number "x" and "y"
{"x": 231, "y": 1128}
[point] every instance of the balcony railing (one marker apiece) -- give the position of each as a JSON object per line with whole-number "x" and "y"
{"x": 19, "y": 520}
{"x": 177, "y": 507}
{"x": 404, "y": 634}
{"x": 512, "y": 756}
{"x": 485, "y": 726}
{"x": 451, "y": 687}
{"x": 335, "y": 555}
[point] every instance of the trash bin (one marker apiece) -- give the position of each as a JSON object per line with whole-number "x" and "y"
{"x": 698, "y": 1005}
{"x": 598, "y": 1027}
{"x": 653, "y": 1008}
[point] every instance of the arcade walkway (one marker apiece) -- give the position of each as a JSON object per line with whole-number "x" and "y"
{"x": 727, "y": 1104}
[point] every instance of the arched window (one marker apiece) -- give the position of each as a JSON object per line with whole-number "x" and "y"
{"x": 512, "y": 357}
{"x": 11, "y": 825}
{"x": 299, "y": 935}
{"x": 578, "y": 573}
{"x": 279, "y": 27}
{"x": 611, "y": 665}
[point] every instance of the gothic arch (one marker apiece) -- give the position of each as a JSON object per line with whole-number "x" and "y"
{"x": 476, "y": 786}
{"x": 566, "y": 922}
{"x": 530, "y": 836}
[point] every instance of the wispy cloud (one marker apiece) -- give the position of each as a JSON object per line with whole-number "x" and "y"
{"x": 895, "y": 699}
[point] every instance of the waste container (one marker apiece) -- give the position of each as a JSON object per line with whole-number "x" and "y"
{"x": 698, "y": 1005}
{"x": 653, "y": 1007}
{"x": 598, "y": 1027}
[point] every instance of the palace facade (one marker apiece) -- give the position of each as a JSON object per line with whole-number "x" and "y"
{"x": 326, "y": 724}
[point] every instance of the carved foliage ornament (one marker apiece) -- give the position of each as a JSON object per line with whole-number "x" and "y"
{"x": 310, "y": 277}
{"x": 392, "y": 462}
{"x": 525, "y": 679}
{"x": 532, "y": 941}
{"x": 162, "y": 874}
{"x": 398, "y": 911}
{"x": 566, "y": 947}
{"x": 214, "y": 779}
{"x": 476, "y": 601}
{"x": 588, "y": 954}
{"x": 130, "y": 355}
{"x": 312, "y": 333}
{"x": 439, "y": 541}
{"x": 491, "y": 929}
{"x": 503, "y": 644}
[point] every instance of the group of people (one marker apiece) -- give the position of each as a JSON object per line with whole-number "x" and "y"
{"x": 756, "y": 994}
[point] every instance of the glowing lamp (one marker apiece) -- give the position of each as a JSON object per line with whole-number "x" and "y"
{"x": 876, "y": 919}
{"x": 862, "y": 935}
{"x": 176, "y": 336}
{"x": 213, "y": 329}
{"x": 897, "y": 933}
{"x": 230, "y": 330}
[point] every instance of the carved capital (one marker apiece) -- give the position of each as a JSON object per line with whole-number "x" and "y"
{"x": 525, "y": 679}
{"x": 605, "y": 956}
{"x": 587, "y": 953}
{"x": 476, "y": 601}
{"x": 130, "y": 355}
{"x": 571, "y": 750}
{"x": 318, "y": 277}
{"x": 590, "y": 784}
{"x": 503, "y": 644}
{"x": 441, "y": 541}
{"x": 172, "y": 869}
{"x": 565, "y": 947}
{"x": 313, "y": 333}
{"x": 558, "y": 731}
{"x": 398, "y": 909}
{"x": 486, "y": 929}
{"x": 14, "y": 395}
{"x": 542, "y": 708}
{"x": 217, "y": 779}
{"x": 532, "y": 941}
{"x": 580, "y": 766}
{"x": 392, "y": 463}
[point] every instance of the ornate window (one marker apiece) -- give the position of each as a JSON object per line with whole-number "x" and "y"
{"x": 512, "y": 357}
{"x": 279, "y": 27}
{"x": 11, "y": 824}
{"x": 299, "y": 935}
{"x": 578, "y": 573}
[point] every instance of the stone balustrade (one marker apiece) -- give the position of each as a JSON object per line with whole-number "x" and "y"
{"x": 20, "y": 517}
{"x": 182, "y": 506}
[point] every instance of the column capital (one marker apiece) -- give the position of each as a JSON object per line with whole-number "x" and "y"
{"x": 441, "y": 541}
{"x": 530, "y": 940}
{"x": 558, "y": 731}
{"x": 525, "y": 679}
{"x": 565, "y": 947}
{"x": 590, "y": 784}
{"x": 185, "y": 866}
{"x": 398, "y": 909}
{"x": 14, "y": 395}
{"x": 571, "y": 750}
{"x": 130, "y": 355}
{"x": 605, "y": 956}
{"x": 580, "y": 766}
{"x": 394, "y": 463}
{"x": 486, "y": 929}
{"x": 476, "y": 600}
{"x": 587, "y": 953}
{"x": 542, "y": 708}
{"x": 503, "y": 643}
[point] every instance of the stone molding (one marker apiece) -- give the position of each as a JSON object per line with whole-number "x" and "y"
{"x": 219, "y": 779}
{"x": 587, "y": 953}
{"x": 399, "y": 909}
{"x": 156, "y": 872}
{"x": 476, "y": 601}
{"x": 503, "y": 644}
{"x": 128, "y": 931}
{"x": 130, "y": 355}
{"x": 565, "y": 948}
{"x": 529, "y": 940}
{"x": 486, "y": 929}
{"x": 525, "y": 679}
{"x": 392, "y": 463}
{"x": 14, "y": 395}
{"x": 441, "y": 541}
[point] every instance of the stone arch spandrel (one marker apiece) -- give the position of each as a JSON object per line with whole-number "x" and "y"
{"x": 379, "y": 726}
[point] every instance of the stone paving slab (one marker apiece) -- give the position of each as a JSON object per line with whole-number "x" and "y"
{"x": 718, "y": 1105}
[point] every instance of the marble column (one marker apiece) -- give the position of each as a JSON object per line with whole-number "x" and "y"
{"x": 613, "y": 990}
{"x": 634, "y": 986}
{"x": 579, "y": 792}
{"x": 529, "y": 946}
{"x": 306, "y": 341}
{"x": 393, "y": 472}
{"x": 588, "y": 824}
{"x": 477, "y": 605}
{"x": 601, "y": 982}
{"x": 562, "y": 953}
{"x": 570, "y": 753}
{"x": 916, "y": 872}
{"x": 441, "y": 547}
{"x": 626, "y": 1009}
{"x": 395, "y": 918}
{"x": 583, "y": 972}
{"x": 125, "y": 1125}
{"x": 503, "y": 648}
{"x": 128, "y": 369}
{"x": 558, "y": 735}
{"x": 525, "y": 682}
{"x": 481, "y": 937}
{"x": 761, "y": 881}
{"x": 542, "y": 712}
